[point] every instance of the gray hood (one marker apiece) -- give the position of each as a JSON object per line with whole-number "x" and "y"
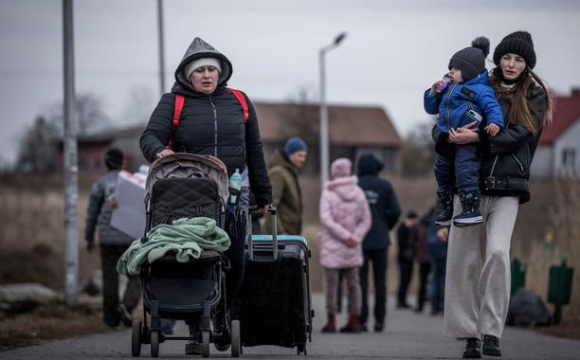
{"x": 200, "y": 49}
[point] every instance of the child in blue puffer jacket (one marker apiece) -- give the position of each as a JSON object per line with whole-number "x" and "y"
{"x": 463, "y": 98}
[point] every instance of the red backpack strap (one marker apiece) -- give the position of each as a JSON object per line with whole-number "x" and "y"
{"x": 179, "y": 101}
{"x": 242, "y": 99}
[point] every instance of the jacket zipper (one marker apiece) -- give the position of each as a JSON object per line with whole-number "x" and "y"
{"x": 493, "y": 166}
{"x": 215, "y": 128}
{"x": 519, "y": 163}
{"x": 470, "y": 107}
{"x": 490, "y": 177}
{"x": 447, "y": 104}
{"x": 529, "y": 156}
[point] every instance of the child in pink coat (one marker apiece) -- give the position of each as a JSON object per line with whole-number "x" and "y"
{"x": 345, "y": 218}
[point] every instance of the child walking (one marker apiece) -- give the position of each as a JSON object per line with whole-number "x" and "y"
{"x": 346, "y": 218}
{"x": 463, "y": 98}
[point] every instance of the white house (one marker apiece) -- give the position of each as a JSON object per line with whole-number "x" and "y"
{"x": 558, "y": 153}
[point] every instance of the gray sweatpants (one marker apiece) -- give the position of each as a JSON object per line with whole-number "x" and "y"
{"x": 477, "y": 287}
{"x": 354, "y": 291}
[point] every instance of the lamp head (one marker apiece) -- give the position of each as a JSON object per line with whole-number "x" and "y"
{"x": 339, "y": 38}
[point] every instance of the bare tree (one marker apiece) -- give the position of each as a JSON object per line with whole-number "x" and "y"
{"x": 5, "y": 167}
{"x": 38, "y": 146}
{"x": 90, "y": 115}
{"x": 302, "y": 116}
{"x": 418, "y": 155}
{"x": 36, "y": 153}
{"x": 139, "y": 106}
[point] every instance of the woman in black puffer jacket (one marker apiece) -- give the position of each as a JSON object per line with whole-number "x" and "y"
{"x": 215, "y": 120}
{"x": 212, "y": 121}
{"x": 478, "y": 274}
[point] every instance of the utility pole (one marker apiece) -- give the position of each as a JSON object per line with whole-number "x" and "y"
{"x": 323, "y": 122}
{"x": 324, "y": 141}
{"x": 70, "y": 161}
{"x": 161, "y": 47}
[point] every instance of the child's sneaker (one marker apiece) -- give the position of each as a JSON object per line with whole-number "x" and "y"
{"x": 444, "y": 218}
{"x": 470, "y": 214}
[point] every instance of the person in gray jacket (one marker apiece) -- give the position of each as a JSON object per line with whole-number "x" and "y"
{"x": 112, "y": 243}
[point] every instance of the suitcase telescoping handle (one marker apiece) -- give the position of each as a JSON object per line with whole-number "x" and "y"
{"x": 274, "y": 233}
{"x": 273, "y": 213}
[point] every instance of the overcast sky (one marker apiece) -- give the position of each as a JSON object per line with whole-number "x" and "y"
{"x": 394, "y": 50}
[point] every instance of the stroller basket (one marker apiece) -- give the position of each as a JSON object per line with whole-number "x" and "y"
{"x": 183, "y": 288}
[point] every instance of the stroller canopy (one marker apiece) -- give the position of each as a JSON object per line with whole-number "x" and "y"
{"x": 183, "y": 165}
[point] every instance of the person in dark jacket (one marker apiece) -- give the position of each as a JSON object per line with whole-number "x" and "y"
{"x": 434, "y": 243}
{"x": 284, "y": 169}
{"x": 437, "y": 239}
{"x": 423, "y": 259}
{"x": 477, "y": 288}
{"x": 213, "y": 122}
{"x": 385, "y": 212}
{"x": 406, "y": 234}
{"x": 112, "y": 244}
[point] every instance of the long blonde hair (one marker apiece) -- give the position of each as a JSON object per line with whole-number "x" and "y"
{"x": 520, "y": 112}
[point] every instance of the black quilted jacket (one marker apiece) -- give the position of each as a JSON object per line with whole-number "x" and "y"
{"x": 210, "y": 125}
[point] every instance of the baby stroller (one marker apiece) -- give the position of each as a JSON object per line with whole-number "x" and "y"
{"x": 186, "y": 186}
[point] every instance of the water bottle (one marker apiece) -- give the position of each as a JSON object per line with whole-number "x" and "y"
{"x": 446, "y": 81}
{"x": 235, "y": 187}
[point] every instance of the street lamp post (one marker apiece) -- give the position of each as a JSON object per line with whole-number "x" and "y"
{"x": 324, "y": 148}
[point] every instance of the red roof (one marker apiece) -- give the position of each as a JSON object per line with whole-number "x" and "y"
{"x": 566, "y": 113}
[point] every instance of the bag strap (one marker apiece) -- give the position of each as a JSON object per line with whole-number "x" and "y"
{"x": 242, "y": 99}
{"x": 179, "y": 101}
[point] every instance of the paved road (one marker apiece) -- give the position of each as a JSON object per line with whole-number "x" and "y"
{"x": 407, "y": 336}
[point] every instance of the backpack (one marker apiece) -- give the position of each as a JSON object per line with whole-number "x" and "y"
{"x": 180, "y": 100}
{"x": 526, "y": 308}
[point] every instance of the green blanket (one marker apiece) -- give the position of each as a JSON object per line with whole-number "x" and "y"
{"x": 187, "y": 237}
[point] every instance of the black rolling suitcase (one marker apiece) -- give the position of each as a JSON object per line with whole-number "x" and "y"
{"x": 276, "y": 306}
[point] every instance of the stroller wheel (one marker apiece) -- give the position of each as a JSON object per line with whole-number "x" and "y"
{"x": 136, "y": 338}
{"x": 205, "y": 336}
{"x": 236, "y": 339}
{"x": 154, "y": 343}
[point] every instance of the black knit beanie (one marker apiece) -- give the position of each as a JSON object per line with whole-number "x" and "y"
{"x": 114, "y": 159}
{"x": 471, "y": 60}
{"x": 520, "y": 43}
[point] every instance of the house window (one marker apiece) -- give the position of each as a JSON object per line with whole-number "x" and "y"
{"x": 569, "y": 158}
